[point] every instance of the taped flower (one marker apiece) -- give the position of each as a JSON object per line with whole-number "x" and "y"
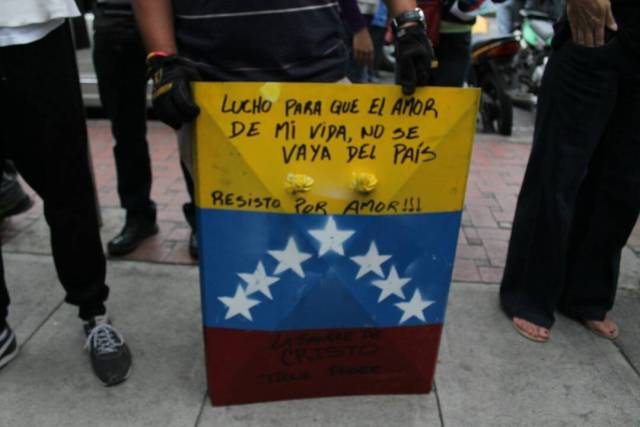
{"x": 363, "y": 182}
{"x": 298, "y": 183}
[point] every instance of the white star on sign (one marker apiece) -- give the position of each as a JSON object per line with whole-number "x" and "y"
{"x": 290, "y": 258}
{"x": 414, "y": 308}
{"x": 258, "y": 281}
{"x": 392, "y": 285}
{"x": 239, "y": 304}
{"x": 372, "y": 261}
{"x": 331, "y": 239}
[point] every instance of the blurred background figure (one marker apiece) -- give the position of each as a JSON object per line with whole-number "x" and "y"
{"x": 453, "y": 49}
{"x": 13, "y": 199}
{"x": 119, "y": 59}
{"x": 357, "y": 15}
{"x": 508, "y": 13}
{"x": 378, "y": 31}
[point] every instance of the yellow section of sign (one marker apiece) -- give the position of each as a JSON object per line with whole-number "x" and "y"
{"x": 320, "y": 148}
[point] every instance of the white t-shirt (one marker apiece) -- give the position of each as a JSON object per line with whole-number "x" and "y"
{"x": 25, "y": 21}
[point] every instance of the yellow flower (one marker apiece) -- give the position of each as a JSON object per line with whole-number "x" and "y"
{"x": 298, "y": 183}
{"x": 363, "y": 182}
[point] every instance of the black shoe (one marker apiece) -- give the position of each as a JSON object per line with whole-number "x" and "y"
{"x": 131, "y": 236}
{"x": 110, "y": 356}
{"x": 8, "y": 346}
{"x": 13, "y": 199}
{"x": 193, "y": 245}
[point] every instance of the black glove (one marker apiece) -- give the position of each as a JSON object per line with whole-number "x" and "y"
{"x": 414, "y": 55}
{"x": 172, "y": 100}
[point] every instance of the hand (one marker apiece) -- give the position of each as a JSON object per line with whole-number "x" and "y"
{"x": 172, "y": 100}
{"x": 588, "y": 19}
{"x": 363, "y": 48}
{"x": 414, "y": 55}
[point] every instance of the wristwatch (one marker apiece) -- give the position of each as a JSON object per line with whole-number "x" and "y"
{"x": 416, "y": 15}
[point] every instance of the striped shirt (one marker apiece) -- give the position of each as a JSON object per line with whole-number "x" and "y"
{"x": 257, "y": 40}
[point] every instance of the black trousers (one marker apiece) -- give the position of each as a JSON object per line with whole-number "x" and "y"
{"x": 43, "y": 130}
{"x": 581, "y": 193}
{"x": 119, "y": 59}
{"x": 189, "y": 208}
{"x": 454, "y": 56}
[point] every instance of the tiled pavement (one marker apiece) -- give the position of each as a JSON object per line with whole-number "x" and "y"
{"x": 496, "y": 174}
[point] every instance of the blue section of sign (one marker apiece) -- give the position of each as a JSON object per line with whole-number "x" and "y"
{"x": 251, "y": 271}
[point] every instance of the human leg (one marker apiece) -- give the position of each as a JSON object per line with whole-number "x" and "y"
{"x": 46, "y": 138}
{"x": 606, "y": 209}
{"x": 189, "y": 210}
{"x": 119, "y": 59}
{"x": 13, "y": 199}
{"x": 8, "y": 342}
{"x": 575, "y": 105}
{"x": 454, "y": 56}
{"x": 185, "y": 146}
{"x": 377, "y": 36}
{"x": 4, "y": 297}
{"x": 45, "y": 135}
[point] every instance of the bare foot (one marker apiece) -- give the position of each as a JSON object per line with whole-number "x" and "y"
{"x": 531, "y": 330}
{"x": 606, "y": 328}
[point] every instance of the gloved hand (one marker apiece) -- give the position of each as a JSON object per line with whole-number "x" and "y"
{"x": 172, "y": 100}
{"x": 414, "y": 54}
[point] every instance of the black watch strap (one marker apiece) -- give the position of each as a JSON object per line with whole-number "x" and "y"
{"x": 416, "y": 15}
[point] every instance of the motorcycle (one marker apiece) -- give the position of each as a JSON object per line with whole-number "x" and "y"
{"x": 491, "y": 63}
{"x": 509, "y": 70}
{"x": 535, "y": 35}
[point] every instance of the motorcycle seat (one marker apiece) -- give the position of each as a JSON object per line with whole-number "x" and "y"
{"x": 478, "y": 44}
{"x": 534, "y": 14}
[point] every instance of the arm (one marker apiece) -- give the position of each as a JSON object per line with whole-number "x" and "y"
{"x": 588, "y": 20}
{"x": 362, "y": 43}
{"x": 171, "y": 74}
{"x": 363, "y": 47}
{"x": 155, "y": 21}
{"x": 414, "y": 52}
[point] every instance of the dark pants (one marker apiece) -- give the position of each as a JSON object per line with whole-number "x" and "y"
{"x": 43, "y": 130}
{"x": 377, "y": 36}
{"x": 119, "y": 59}
{"x": 581, "y": 193}
{"x": 189, "y": 208}
{"x": 454, "y": 56}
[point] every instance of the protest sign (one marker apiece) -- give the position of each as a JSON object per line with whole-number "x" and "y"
{"x": 328, "y": 219}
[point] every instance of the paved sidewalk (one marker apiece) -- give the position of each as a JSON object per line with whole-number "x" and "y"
{"x": 487, "y": 374}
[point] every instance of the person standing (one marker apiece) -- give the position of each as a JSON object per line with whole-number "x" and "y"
{"x": 119, "y": 59}
{"x": 284, "y": 40}
{"x": 580, "y": 197}
{"x": 43, "y": 130}
{"x": 357, "y": 16}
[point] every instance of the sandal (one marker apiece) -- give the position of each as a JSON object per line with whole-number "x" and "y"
{"x": 526, "y": 334}
{"x": 616, "y": 331}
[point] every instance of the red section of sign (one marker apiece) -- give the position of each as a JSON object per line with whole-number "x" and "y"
{"x": 255, "y": 366}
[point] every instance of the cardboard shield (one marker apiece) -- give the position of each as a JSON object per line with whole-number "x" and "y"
{"x": 328, "y": 222}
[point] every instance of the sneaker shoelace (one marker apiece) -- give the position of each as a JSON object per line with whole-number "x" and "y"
{"x": 104, "y": 338}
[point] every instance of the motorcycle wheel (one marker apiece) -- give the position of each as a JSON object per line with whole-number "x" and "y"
{"x": 496, "y": 108}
